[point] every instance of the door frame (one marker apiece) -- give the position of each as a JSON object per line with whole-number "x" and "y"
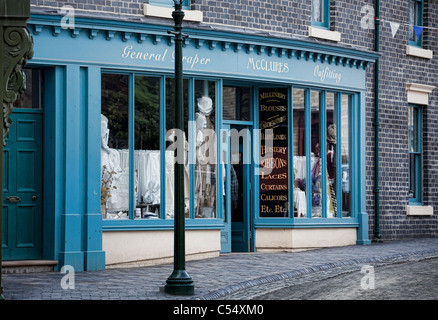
{"x": 248, "y": 177}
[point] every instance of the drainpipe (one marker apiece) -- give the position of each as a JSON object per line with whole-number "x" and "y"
{"x": 376, "y": 127}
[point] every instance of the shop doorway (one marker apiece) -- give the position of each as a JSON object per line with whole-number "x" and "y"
{"x": 22, "y": 187}
{"x": 23, "y": 175}
{"x": 237, "y": 234}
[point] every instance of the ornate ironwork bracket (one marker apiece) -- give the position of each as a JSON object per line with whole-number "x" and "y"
{"x": 17, "y": 49}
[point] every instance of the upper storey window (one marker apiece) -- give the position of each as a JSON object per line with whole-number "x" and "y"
{"x": 320, "y": 13}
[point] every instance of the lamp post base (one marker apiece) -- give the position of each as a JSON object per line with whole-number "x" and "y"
{"x": 179, "y": 283}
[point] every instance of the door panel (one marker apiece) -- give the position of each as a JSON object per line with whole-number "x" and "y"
{"x": 22, "y": 187}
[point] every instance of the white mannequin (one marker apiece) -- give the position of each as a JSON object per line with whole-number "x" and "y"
{"x": 204, "y": 186}
{"x": 119, "y": 200}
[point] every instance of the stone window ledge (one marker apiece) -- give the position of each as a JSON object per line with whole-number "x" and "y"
{"x": 163, "y": 12}
{"x": 324, "y": 34}
{"x": 419, "y": 52}
{"x": 419, "y": 210}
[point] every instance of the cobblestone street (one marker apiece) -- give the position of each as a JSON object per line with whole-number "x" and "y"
{"x": 402, "y": 281}
{"x": 246, "y": 276}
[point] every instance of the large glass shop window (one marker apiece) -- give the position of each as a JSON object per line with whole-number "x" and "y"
{"x": 147, "y": 187}
{"x": 171, "y": 135}
{"x": 321, "y": 154}
{"x": 116, "y": 177}
{"x": 205, "y": 149}
{"x": 274, "y": 162}
{"x": 345, "y": 152}
{"x": 114, "y": 149}
{"x": 299, "y": 154}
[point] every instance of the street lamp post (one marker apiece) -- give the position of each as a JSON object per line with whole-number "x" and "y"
{"x": 179, "y": 282}
{"x": 16, "y": 47}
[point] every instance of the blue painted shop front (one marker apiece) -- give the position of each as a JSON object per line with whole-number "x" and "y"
{"x": 108, "y": 95}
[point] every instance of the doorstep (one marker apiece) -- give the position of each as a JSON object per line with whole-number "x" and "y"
{"x": 28, "y": 266}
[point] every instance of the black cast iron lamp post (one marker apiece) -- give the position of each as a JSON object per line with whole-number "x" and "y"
{"x": 179, "y": 282}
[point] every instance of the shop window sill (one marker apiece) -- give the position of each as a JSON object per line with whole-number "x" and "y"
{"x": 419, "y": 52}
{"x": 419, "y": 210}
{"x": 163, "y": 12}
{"x": 324, "y": 34}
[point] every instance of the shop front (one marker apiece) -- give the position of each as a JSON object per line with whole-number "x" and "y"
{"x": 274, "y": 142}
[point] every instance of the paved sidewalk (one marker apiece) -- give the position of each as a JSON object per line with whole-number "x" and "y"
{"x": 230, "y": 276}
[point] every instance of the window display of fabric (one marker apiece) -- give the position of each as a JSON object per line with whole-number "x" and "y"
{"x": 170, "y": 177}
{"x": 300, "y": 202}
{"x": 112, "y": 168}
{"x": 205, "y": 173}
{"x": 147, "y": 162}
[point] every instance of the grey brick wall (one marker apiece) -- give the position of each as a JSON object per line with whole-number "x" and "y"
{"x": 396, "y": 69}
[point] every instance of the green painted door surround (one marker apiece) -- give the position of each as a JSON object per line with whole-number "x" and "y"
{"x": 72, "y": 144}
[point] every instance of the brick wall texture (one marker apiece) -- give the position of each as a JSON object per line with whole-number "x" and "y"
{"x": 396, "y": 70}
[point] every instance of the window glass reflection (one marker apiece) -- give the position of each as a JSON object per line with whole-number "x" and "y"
{"x": 147, "y": 157}
{"x": 205, "y": 153}
{"x": 114, "y": 147}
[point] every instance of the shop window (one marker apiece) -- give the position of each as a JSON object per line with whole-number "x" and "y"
{"x": 320, "y": 13}
{"x": 415, "y": 155}
{"x": 274, "y": 155}
{"x": 137, "y": 162}
{"x": 147, "y": 147}
{"x": 321, "y": 145}
{"x": 130, "y": 189}
{"x": 299, "y": 154}
{"x": 115, "y": 144}
{"x": 344, "y": 181}
{"x": 415, "y": 19}
{"x": 205, "y": 149}
{"x": 170, "y": 157}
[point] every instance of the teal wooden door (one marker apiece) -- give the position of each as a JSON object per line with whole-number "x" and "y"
{"x": 22, "y": 187}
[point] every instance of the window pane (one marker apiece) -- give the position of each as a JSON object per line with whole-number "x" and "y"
{"x": 345, "y": 152}
{"x": 317, "y": 10}
{"x": 147, "y": 147}
{"x": 170, "y": 159}
{"x": 415, "y": 165}
{"x": 413, "y": 129}
{"x": 413, "y": 17}
{"x": 115, "y": 143}
{"x": 299, "y": 161}
{"x": 205, "y": 140}
{"x": 412, "y": 176}
{"x": 331, "y": 155}
{"x": 316, "y": 173}
{"x": 274, "y": 163}
{"x": 32, "y": 96}
{"x": 236, "y": 103}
